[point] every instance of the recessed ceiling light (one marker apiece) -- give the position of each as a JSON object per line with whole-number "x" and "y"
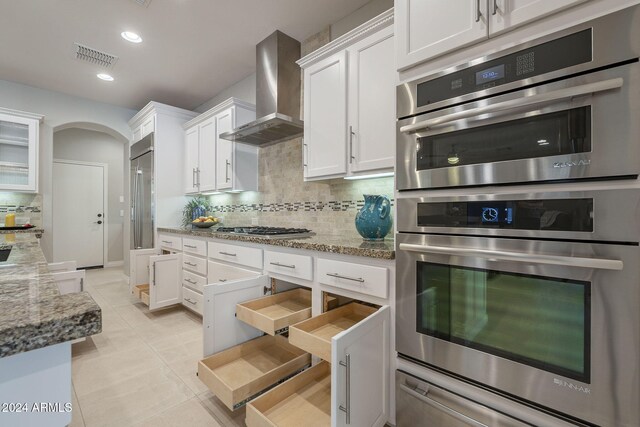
{"x": 105, "y": 77}
{"x": 131, "y": 37}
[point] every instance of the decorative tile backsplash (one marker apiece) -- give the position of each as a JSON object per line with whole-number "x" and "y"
{"x": 27, "y": 207}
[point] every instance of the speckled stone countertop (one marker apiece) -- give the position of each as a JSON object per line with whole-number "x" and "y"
{"x": 346, "y": 245}
{"x": 35, "y": 230}
{"x": 33, "y": 314}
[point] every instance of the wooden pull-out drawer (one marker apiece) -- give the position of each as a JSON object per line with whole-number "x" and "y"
{"x": 250, "y": 257}
{"x": 192, "y": 300}
{"x": 193, "y": 281}
{"x": 236, "y": 374}
{"x": 198, "y": 247}
{"x": 275, "y": 312}
{"x": 220, "y": 273}
{"x": 304, "y": 400}
{"x": 194, "y": 264}
{"x": 365, "y": 279}
{"x": 314, "y": 335}
{"x": 170, "y": 242}
{"x": 142, "y": 293}
{"x": 300, "y": 266}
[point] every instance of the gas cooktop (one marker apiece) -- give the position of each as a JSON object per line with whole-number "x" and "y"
{"x": 268, "y": 232}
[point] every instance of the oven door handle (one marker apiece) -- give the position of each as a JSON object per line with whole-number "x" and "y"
{"x": 591, "y": 263}
{"x": 541, "y": 98}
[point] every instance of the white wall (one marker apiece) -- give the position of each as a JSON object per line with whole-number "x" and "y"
{"x": 99, "y": 147}
{"x": 61, "y": 111}
{"x": 360, "y": 16}
{"x": 244, "y": 89}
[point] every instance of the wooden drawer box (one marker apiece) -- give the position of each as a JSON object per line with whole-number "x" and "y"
{"x": 275, "y": 312}
{"x": 293, "y": 265}
{"x": 193, "y": 281}
{"x": 142, "y": 293}
{"x": 304, "y": 400}
{"x": 241, "y": 372}
{"x": 194, "y": 264}
{"x": 250, "y": 257}
{"x": 361, "y": 278}
{"x": 192, "y": 300}
{"x": 314, "y": 335}
{"x": 169, "y": 241}
{"x": 193, "y": 246}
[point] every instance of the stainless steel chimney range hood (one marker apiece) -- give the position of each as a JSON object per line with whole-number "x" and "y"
{"x": 277, "y": 94}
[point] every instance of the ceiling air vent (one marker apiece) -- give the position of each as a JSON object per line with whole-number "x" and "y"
{"x": 143, "y": 3}
{"x": 94, "y": 56}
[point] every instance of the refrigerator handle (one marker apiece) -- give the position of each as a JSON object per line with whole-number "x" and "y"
{"x": 134, "y": 210}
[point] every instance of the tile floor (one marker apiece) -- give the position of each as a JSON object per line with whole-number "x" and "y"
{"x": 141, "y": 370}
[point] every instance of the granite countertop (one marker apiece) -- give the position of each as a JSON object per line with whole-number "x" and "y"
{"x": 346, "y": 245}
{"x": 35, "y": 230}
{"x": 33, "y": 314}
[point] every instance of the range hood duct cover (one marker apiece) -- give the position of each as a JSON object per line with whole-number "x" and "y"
{"x": 277, "y": 93}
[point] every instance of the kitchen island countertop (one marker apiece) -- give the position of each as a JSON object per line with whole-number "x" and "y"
{"x": 346, "y": 245}
{"x": 33, "y": 313}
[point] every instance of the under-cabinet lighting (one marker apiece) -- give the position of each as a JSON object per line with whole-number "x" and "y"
{"x": 130, "y": 36}
{"x": 234, "y": 191}
{"x": 105, "y": 77}
{"x": 374, "y": 175}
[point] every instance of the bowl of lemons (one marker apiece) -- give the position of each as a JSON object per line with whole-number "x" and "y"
{"x": 205, "y": 221}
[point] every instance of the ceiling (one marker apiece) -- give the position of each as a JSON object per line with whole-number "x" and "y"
{"x": 191, "y": 49}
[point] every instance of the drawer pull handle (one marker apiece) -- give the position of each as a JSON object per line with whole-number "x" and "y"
{"x": 191, "y": 264}
{"x": 226, "y": 253}
{"x": 191, "y": 246}
{"x": 191, "y": 281}
{"x": 222, "y": 280}
{"x": 168, "y": 243}
{"x": 339, "y": 276}
{"x": 189, "y": 301}
{"x": 283, "y": 265}
{"x": 347, "y": 408}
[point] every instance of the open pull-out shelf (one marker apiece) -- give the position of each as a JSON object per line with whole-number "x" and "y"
{"x": 241, "y": 372}
{"x": 304, "y": 400}
{"x": 276, "y": 312}
{"x": 314, "y": 335}
{"x": 142, "y": 293}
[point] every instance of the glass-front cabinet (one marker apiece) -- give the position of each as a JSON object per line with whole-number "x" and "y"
{"x": 19, "y": 135}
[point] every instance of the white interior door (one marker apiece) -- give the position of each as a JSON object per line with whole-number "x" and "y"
{"x": 78, "y": 213}
{"x": 364, "y": 348}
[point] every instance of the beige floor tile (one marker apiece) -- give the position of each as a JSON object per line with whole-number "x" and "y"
{"x": 179, "y": 346}
{"x": 76, "y": 412}
{"x": 134, "y": 399}
{"x": 221, "y": 412}
{"x": 187, "y": 369}
{"x": 190, "y": 413}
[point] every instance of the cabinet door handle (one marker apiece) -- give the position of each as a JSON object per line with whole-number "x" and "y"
{"x": 222, "y": 280}
{"x": 189, "y": 301}
{"x": 226, "y": 170}
{"x": 351, "y": 133}
{"x": 190, "y": 246}
{"x": 226, "y": 253}
{"x": 347, "y": 408}
{"x": 154, "y": 274}
{"x": 193, "y": 176}
{"x": 495, "y": 7}
{"x": 305, "y": 149}
{"x": 478, "y": 13}
{"x": 198, "y": 175}
{"x": 191, "y": 264}
{"x": 167, "y": 242}
{"x": 283, "y": 265}
{"x": 191, "y": 281}
{"x": 339, "y": 276}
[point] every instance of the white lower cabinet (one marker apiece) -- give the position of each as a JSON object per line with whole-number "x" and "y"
{"x": 193, "y": 300}
{"x": 156, "y": 279}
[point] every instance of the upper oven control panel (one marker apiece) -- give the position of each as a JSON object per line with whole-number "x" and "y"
{"x": 554, "y": 55}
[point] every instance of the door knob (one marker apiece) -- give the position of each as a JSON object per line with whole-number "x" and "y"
{"x": 99, "y": 215}
{"x": 99, "y": 222}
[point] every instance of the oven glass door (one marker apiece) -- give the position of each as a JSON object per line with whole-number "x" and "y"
{"x": 543, "y": 322}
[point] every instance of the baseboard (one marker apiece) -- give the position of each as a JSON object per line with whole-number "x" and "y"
{"x": 111, "y": 264}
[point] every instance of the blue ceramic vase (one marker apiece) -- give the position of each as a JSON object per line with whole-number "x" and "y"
{"x": 373, "y": 221}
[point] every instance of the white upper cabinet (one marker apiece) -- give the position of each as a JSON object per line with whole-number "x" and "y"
{"x": 426, "y": 29}
{"x": 349, "y": 103}
{"x": 19, "y": 136}
{"x": 429, "y": 28}
{"x": 372, "y": 102}
{"x": 192, "y": 138}
{"x": 221, "y": 165}
{"x": 325, "y": 117}
{"x": 508, "y": 14}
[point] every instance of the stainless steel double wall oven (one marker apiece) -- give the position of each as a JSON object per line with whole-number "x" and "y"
{"x": 533, "y": 294}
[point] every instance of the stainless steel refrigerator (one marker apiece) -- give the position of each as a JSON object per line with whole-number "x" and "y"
{"x": 142, "y": 206}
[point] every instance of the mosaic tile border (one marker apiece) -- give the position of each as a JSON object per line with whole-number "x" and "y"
{"x": 330, "y": 206}
{"x": 19, "y": 209}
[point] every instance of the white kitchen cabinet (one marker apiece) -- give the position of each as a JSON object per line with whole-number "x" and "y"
{"x": 156, "y": 279}
{"x": 426, "y": 29}
{"x": 218, "y": 164}
{"x": 144, "y": 127}
{"x": 19, "y": 140}
{"x": 506, "y": 15}
{"x": 349, "y": 103}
